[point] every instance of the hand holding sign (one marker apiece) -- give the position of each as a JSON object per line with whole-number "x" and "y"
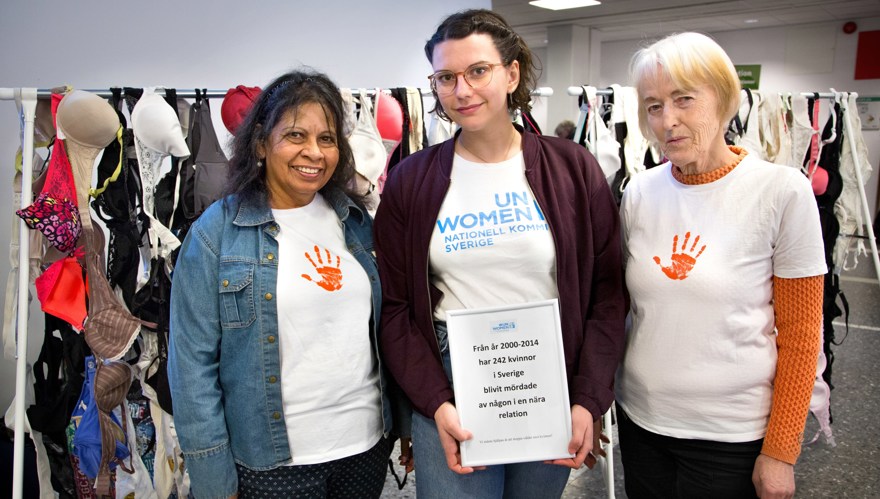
{"x": 451, "y": 433}
{"x": 581, "y": 444}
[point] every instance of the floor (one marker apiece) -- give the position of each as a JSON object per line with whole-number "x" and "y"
{"x": 851, "y": 468}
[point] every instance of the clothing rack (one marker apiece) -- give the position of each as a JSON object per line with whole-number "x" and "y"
{"x": 190, "y": 93}
{"x": 872, "y": 239}
{"x": 26, "y": 100}
{"x": 578, "y": 91}
{"x": 542, "y": 92}
{"x": 607, "y": 462}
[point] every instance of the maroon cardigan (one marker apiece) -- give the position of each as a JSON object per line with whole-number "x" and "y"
{"x": 575, "y": 198}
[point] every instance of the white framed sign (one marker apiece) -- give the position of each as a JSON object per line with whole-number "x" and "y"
{"x": 511, "y": 390}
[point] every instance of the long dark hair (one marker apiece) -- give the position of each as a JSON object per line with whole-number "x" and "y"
{"x": 510, "y": 45}
{"x": 288, "y": 91}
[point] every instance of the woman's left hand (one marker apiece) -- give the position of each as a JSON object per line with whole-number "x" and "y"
{"x": 773, "y": 479}
{"x": 406, "y": 458}
{"x": 581, "y": 442}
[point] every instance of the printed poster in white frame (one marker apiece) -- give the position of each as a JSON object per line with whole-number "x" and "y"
{"x": 511, "y": 389}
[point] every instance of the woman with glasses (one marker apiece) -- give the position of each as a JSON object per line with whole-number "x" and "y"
{"x": 495, "y": 216}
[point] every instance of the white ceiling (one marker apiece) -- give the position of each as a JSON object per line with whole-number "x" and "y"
{"x": 635, "y": 19}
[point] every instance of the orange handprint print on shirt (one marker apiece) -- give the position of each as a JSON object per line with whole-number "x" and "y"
{"x": 331, "y": 277}
{"x": 683, "y": 262}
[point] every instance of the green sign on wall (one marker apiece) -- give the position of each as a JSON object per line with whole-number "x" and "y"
{"x": 749, "y": 75}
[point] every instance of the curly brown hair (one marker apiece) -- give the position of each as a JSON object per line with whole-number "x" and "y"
{"x": 510, "y": 45}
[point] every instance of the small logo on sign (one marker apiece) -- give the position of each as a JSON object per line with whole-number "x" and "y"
{"x": 502, "y": 327}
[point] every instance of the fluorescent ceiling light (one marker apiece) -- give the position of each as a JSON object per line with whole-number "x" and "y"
{"x": 750, "y": 21}
{"x": 564, "y": 4}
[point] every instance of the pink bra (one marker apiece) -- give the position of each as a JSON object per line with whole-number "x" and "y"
{"x": 54, "y": 212}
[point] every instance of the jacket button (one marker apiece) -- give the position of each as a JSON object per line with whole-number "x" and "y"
{"x": 225, "y": 283}
{"x": 271, "y": 339}
{"x": 272, "y": 379}
{"x": 270, "y": 256}
{"x": 268, "y": 296}
{"x": 276, "y": 415}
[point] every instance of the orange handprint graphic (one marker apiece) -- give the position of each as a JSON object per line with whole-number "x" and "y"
{"x": 683, "y": 262}
{"x": 331, "y": 277}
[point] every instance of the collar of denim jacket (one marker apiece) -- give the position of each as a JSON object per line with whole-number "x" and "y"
{"x": 253, "y": 211}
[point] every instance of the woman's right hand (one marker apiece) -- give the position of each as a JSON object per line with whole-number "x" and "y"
{"x": 451, "y": 433}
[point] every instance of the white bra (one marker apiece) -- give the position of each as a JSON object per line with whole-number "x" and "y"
{"x": 369, "y": 152}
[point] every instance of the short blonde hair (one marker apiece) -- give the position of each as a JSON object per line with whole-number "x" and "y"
{"x": 689, "y": 60}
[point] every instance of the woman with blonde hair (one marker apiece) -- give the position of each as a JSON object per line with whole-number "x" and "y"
{"x": 715, "y": 384}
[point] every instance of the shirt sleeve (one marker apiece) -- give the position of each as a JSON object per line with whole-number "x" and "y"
{"x": 799, "y": 250}
{"x": 604, "y": 337}
{"x": 406, "y": 352}
{"x": 193, "y": 370}
{"x": 797, "y": 304}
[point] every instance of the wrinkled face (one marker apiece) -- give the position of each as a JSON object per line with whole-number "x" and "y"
{"x": 475, "y": 108}
{"x": 685, "y": 122}
{"x": 300, "y": 156}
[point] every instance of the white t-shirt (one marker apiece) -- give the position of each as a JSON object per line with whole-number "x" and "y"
{"x": 329, "y": 376}
{"x": 701, "y": 356}
{"x": 491, "y": 244}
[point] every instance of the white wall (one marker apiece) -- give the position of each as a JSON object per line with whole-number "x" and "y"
{"x": 832, "y": 65}
{"x": 216, "y": 45}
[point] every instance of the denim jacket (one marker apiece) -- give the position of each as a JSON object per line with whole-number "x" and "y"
{"x": 223, "y": 360}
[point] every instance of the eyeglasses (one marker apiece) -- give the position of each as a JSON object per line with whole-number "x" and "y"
{"x": 476, "y": 76}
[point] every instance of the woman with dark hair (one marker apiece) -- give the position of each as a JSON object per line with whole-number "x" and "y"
{"x": 277, "y": 386}
{"x": 570, "y": 250}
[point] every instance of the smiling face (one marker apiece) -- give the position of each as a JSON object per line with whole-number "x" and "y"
{"x": 300, "y": 155}
{"x": 475, "y": 109}
{"x": 685, "y": 122}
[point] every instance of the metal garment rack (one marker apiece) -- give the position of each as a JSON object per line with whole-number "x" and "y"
{"x": 26, "y": 99}
{"x": 869, "y": 217}
{"x": 578, "y": 91}
{"x": 190, "y": 93}
{"x": 608, "y": 462}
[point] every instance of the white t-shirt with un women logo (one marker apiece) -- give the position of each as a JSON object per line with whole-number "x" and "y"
{"x": 329, "y": 378}
{"x": 491, "y": 245}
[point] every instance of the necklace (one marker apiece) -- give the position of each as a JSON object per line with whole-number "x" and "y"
{"x": 472, "y": 153}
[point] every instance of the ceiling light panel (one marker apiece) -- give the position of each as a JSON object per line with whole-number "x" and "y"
{"x": 564, "y": 4}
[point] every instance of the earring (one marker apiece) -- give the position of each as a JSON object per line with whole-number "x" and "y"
{"x": 259, "y": 163}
